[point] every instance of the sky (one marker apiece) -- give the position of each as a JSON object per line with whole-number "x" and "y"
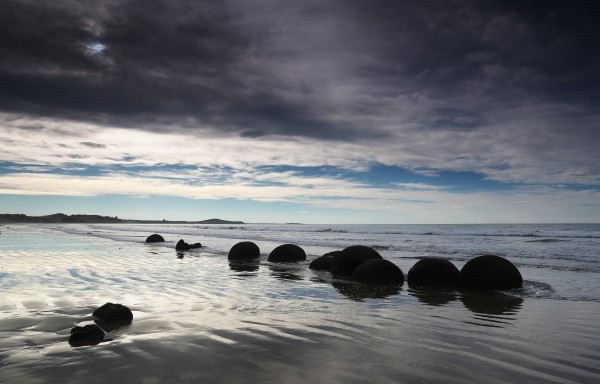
{"x": 337, "y": 111}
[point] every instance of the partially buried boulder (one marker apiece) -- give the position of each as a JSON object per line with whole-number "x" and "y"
{"x": 346, "y": 261}
{"x": 287, "y": 253}
{"x": 490, "y": 272}
{"x": 433, "y": 271}
{"x": 155, "y": 238}
{"x": 244, "y": 250}
{"x": 378, "y": 271}
{"x": 183, "y": 246}
{"x": 323, "y": 263}
{"x": 111, "y": 314}
{"x": 88, "y": 335}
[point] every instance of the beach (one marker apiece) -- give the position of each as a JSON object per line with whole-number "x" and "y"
{"x": 198, "y": 318}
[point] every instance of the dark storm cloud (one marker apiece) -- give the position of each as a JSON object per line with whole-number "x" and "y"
{"x": 334, "y": 69}
{"x": 92, "y": 145}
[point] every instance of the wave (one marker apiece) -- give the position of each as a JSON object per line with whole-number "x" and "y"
{"x": 547, "y": 240}
{"x": 332, "y": 230}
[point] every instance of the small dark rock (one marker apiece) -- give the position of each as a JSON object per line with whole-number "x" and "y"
{"x": 378, "y": 271}
{"x": 490, "y": 272}
{"x": 286, "y": 253}
{"x": 244, "y": 250}
{"x": 88, "y": 335}
{"x": 347, "y": 260}
{"x": 323, "y": 263}
{"x": 155, "y": 238}
{"x": 433, "y": 271}
{"x": 113, "y": 313}
{"x": 183, "y": 246}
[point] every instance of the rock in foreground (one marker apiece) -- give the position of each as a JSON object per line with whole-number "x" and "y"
{"x": 111, "y": 313}
{"x": 88, "y": 335}
{"x": 490, "y": 272}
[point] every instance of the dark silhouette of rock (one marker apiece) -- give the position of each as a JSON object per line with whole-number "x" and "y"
{"x": 378, "y": 271}
{"x": 346, "y": 262}
{"x": 243, "y": 251}
{"x": 490, "y": 272}
{"x": 183, "y": 246}
{"x": 88, "y": 335}
{"x": 155, "y": 238}
{"x": 433, "y": 271}
{"x": 323, "y": 263}
{"x": 286, "y": 253}
{"x": 111, "y": 313}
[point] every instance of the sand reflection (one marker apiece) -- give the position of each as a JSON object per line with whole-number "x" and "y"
{"x": 285, "y": 271}
{"x": 433, "y": 295}
{"x": 359, "y": 292}
{"x": 244, "y": 268}
{"x": 492, "y": 309}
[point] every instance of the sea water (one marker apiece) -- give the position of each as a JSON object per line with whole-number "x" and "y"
{"x": 198, "y": 318}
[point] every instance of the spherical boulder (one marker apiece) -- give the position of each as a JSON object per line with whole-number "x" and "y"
{"x": 433, "y": 271}
{"x": 244, "y": 250}
{"x": 88, "y": 335}
{"x": 378, "y": 271}
{"x": 286, "y": 253}
{"x": 490, "y": 272}
{"x": 323, "y": 263}
{"x": 111, "y": 313}
{"x": 155, "y": 238}
{"x": 346, "y": 262}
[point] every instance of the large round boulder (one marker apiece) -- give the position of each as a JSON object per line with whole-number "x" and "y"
{"x": 490, "y": 272}
{"x": 433, "y": 271}
{"x": 346, "y": 262}
{"x": 90, "y": 334}
{"x": 244, "y": 250}
{"x": 155, "y": 238}
{"x": 378, "y": 271}
{"x": 286, "y": 253}
{"x": 323, "y": 263}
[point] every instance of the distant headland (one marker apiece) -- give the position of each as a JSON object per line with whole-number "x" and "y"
{"x": 60, "y": 218}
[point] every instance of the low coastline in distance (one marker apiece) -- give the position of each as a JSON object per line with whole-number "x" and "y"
{"x": 60, "y": 218}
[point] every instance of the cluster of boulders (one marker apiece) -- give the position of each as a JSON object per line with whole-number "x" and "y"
{"x": 365, "y": 265}
{"x": 107, "y": 318}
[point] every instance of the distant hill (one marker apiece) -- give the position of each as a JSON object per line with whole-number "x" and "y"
{"x": 217, "y": 221}
{"x": 60, "y": 218}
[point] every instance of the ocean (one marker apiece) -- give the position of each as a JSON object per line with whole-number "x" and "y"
{"x": 198, "y": 318}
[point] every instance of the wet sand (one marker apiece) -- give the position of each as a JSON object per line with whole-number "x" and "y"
{"x": 200, "y": 319}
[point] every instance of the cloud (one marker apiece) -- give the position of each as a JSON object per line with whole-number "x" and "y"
{"x": 92, "y": 145}
{"x": 411, "y": 205}
{"x": 504, "y": 90}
